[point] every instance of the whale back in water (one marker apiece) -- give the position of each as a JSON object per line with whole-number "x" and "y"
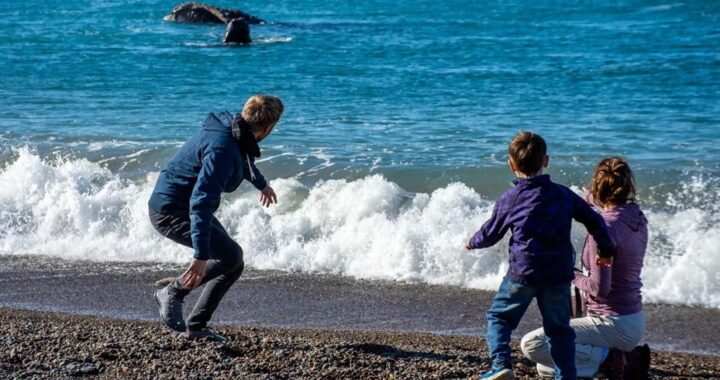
{"x": 237, "y": 32}
{"x": 197, "y": 13}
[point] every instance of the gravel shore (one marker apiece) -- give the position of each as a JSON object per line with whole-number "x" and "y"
{"x": 300, "y": 301}
{"x": 51, "y": 345}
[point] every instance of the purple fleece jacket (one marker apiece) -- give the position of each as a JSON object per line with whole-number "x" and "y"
{"x": 615, "y": 291}
{"x": 539, "y": 214}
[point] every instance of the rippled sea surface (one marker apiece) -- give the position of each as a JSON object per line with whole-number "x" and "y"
{"x": 421, "y": 86}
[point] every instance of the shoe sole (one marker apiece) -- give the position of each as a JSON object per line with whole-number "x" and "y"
{"x": 505, "y": 375}
{"x": 208, "y": 339}
{"x": 162, "y": 317}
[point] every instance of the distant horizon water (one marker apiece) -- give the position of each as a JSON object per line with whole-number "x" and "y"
{"x": 393, "y": 146}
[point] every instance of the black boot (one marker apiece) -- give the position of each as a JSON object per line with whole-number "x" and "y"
{"x": 638, "y": 363}
{"x": 614, "y": 365}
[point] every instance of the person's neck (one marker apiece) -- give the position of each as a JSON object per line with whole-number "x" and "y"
{"x": 526, "y": 176}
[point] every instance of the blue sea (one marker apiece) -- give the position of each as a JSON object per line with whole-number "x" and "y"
{"x": 393, "y": 145}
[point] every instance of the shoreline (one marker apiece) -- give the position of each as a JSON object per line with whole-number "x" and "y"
{"x": 57, "y": 345}
{"x": 290, "y": 300}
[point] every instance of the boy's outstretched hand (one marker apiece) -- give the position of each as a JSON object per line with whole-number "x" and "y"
{"x": 468, "y": 246}
{"x": 268, "y": 196}
{"x": 604, "y": 261}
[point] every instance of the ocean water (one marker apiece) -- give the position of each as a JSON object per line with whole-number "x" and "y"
{"x": 393, "y": 145}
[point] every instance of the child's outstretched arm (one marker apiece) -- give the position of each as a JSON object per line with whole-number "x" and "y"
{"x": 493, "y": 230}
{"x": 595, "y": 225}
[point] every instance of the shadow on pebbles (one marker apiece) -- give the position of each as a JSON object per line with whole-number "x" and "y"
{"x": 49, "y": 345}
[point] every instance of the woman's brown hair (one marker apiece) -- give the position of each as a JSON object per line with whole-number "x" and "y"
{"x": 612, "y": 182}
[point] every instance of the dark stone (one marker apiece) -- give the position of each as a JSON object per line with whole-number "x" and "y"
{"x": 89, "y": 369}
{"x": 197, "y": 13}
{"x": 108, "y": 355}
{"x": 237, "y": 32}
{"x": 73, "y": 368}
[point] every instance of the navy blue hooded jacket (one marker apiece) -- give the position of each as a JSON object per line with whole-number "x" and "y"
{"x": 210, "y": 163}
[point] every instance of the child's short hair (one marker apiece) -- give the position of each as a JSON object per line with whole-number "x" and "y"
{"x": 612, "y": 182}
{"x": 262, "y": 111}
{"x": 527, "y": 150}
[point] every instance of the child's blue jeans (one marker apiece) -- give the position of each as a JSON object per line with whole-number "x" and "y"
{"x": 509, "y": 305}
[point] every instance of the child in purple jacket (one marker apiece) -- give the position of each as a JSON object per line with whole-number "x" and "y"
{"x": 539, "y": 213}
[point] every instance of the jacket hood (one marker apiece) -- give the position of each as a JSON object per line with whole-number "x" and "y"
{"x": 218, "y": 121}
{"x": 629, "y": 213}
{"x": 226, "y": 122}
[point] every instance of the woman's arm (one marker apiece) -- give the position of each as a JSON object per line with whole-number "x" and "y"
{"x": 598, "y": 283}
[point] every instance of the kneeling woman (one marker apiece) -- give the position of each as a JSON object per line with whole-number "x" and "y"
{"x": 615, "y": 320}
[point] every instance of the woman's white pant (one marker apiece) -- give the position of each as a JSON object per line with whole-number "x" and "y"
{"x": 594, "y": 335}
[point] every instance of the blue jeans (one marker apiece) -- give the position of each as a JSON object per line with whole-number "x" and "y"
{"x": 509, "y": 305}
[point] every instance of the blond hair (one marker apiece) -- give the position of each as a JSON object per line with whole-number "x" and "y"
{"x": 262, "y": 111}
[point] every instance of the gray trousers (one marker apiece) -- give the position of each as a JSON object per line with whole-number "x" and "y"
{"x": 224, "y": 266}
{"x": 594, "y": 334}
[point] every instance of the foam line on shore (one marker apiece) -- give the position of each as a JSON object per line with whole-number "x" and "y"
{"x": 368, "y": 228}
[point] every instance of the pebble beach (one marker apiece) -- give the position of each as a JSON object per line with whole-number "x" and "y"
{"x": 47, "y": 345}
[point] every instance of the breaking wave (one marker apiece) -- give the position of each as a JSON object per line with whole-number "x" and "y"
{"x": 368, "y": 228}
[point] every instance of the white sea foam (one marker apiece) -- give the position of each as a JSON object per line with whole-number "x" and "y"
{"x": 258, "y": 41}
{"x": 272, "y": 40}
{"x": 367, "y": 228}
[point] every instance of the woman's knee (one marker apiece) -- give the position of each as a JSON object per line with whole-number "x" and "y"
{"x": 532, "y": 343}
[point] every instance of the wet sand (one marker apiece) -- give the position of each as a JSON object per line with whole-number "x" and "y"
{"x": 274, "y": 299}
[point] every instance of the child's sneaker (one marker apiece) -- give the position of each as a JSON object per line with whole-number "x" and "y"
{"x": 498, "y": 374}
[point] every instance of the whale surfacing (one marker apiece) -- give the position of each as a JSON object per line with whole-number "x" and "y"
{"x": 197, "y": 13}
{"x": 237, "y": 32}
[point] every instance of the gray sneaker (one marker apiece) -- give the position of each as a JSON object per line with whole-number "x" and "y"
{"x": 206, "y": 334}
{"x": 171, "y": 309}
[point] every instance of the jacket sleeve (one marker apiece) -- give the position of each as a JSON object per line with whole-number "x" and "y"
{"x": 493, "y": 230}
{"x": 259, "y": 182}
{"x": 217, "y": 167}
{"x": 598, "y": 284}
{"x": 595, "y": 225}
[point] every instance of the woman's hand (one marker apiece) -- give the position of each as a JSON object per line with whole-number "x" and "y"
{"x": 268, "y": 196}
{"x": 195, "y": 273}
